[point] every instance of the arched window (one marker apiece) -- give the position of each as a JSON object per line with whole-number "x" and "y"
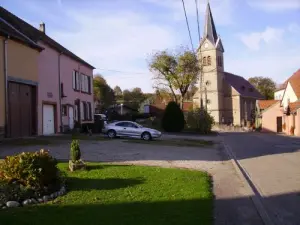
{"x": 204, "y": 61}
{"x": 208, "y": 61}
{"x": 221, "y": 60}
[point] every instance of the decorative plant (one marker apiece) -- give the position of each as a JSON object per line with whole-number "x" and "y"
{"x": 283, "y": 126}
{"x": 75, "y": 151}
{"x": 292, "y": 130}
{"x": 33, "y": 170}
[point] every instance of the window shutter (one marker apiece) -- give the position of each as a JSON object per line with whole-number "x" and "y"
{"x": 77, "y": 81}
{"x": 89, "y": 85}
{"x": 74, "y": 79}
{"x": 90, "y": 111}
{"x": 81, "y": 110}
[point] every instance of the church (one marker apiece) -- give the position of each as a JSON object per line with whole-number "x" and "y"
{"x": 229, "y": 98}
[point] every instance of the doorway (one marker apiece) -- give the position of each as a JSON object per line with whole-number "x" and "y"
{"x": 279, "y": 124}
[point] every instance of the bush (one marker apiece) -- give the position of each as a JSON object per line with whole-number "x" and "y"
{"x": 75, "y": 151}
{"x": 173, "y": 118}
{"x": 32, "y": 170}
{"x": 200, "y": 120}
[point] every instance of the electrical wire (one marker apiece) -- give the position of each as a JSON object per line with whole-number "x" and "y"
{"x": 196, "y": 2}
{"x": 188, "y": 27}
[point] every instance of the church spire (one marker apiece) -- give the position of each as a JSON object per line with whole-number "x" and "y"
{"x": 209, "y": 27}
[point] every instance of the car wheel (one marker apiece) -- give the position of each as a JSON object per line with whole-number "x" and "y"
{"x": 111, "y": 134}
{"x": 146, "y": 136}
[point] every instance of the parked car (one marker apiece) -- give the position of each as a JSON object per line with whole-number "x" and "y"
{"x": 130, "y": 129}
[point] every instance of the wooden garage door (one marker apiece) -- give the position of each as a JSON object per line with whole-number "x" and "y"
{"x": 21, "y": 105}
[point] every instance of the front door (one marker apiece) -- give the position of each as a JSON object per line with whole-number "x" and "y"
{"x": 48, "y": 119}
{"x": 71, "y": 118}
{"x": 279, "y": 124}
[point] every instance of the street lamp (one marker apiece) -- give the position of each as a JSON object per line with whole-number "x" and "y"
{"x": 121, "y": 108}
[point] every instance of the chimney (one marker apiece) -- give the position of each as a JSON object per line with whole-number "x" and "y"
{"x": 43, "y": 27}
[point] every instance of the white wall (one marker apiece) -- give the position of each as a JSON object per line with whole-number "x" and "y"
{"x": 278, "y": 94}
{"x": 289, "y": 94}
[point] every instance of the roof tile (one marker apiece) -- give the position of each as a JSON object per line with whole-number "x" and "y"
{"x": 264, "y": 104}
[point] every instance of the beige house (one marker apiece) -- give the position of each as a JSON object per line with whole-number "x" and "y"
{"x": 229, "y": 98}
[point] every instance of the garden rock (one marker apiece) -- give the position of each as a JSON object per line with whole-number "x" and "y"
{"x": 12, "y": 204}
{"x": 26, "y": 202}
{"x": 40, "y": 200}
{"x": 46, "y": 198}
{"x": 4, "y": 207}
{"x": 33, "y": 201}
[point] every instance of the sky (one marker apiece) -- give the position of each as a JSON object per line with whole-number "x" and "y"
{"x": 118, "y": 37}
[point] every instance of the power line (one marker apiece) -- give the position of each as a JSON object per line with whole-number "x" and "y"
{"x": 187, "y": 23}
{"x": 196, "y": 2}
{"x": 120, "y": 71}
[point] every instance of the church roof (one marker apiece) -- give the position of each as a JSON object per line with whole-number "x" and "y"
{"x": 242, "y": 86}
{"x": 209, "y": 27}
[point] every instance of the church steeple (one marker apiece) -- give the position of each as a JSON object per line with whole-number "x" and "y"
{"x": 209, "y": 27}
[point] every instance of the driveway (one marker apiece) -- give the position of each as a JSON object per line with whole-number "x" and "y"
{"x": 232, "y": 206}
{"x": 273, "y": 164}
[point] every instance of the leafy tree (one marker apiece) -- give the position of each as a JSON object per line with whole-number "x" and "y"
{"x": 118, "y": 91}
{"x": 103, "y": 92}
{"x": 177, "y": 72}
{"x": 199, "y": 120}
{"x": 265, "y": 85}
{"x": 173, "y": 118}
{"x": 133, "y": 98}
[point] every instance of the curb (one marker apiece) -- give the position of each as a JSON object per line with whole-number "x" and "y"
{"x": 255, "y": 194}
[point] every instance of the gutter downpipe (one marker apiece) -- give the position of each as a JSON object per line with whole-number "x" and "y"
{"x": 6, "y": 85}
{"x": 60, "y": 96}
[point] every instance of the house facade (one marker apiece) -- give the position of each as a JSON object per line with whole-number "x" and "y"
{"x": 229, "y": 98}
{"x": 61, "y": 81}
{"x": 18, "y": 82}
{"x": 283, "y": 114}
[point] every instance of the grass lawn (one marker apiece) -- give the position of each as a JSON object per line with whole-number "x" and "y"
{"x": 174, "y": 142}
{"x": 124, "y": 195}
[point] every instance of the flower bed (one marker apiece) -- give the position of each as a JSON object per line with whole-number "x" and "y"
{"x": 30, "y": 178}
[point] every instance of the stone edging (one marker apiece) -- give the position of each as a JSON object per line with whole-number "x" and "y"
{"x": 33, "y": 201}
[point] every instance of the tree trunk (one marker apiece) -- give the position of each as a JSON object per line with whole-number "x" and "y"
{"x": 181, "y": 102}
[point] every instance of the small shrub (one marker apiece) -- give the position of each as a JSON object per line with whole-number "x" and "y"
{"x": 173, "y": 118}
{"x": 31, "y": 170}
{"x": 200, "y": 120}
{"x": 75, "y": 151}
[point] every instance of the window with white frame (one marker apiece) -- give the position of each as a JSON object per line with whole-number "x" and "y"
{"x": 85, "y": 83}
{"x": 81, "y": 82}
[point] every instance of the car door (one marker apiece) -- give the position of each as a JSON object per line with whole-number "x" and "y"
{"x": 132, "y": 129}
{"x": 121, "y": 129}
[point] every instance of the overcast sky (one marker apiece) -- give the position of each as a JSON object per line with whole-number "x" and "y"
{"x": 260, "y": 37}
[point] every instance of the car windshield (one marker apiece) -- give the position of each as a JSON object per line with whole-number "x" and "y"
{"x": 139, "y": 125}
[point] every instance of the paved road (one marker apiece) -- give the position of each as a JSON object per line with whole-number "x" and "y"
{"x": 273, "y": 163}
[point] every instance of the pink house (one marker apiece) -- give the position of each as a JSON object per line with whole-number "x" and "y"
{"x": 283, "y": 114}
{"x": 65, "y": 93}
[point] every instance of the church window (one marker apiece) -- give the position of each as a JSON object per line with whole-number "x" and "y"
{"x": 221, "y": 60}
{"x": 207, "y": 83}
{"x": 208, "y": 61}
{"x": 207, "y": 101}
{"x": 204, "y": 61}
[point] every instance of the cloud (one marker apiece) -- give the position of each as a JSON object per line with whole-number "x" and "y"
{"x": 275, "y": 5}
{"x": 279, "y": 66}
{"x": 119, "y": 40}
{"x": 294, "y": 28}
{"x": 222, "y": 9}
{"x": 268, "y": 36}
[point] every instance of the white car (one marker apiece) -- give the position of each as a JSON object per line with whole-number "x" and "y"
{"x": 130, "y": 129}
